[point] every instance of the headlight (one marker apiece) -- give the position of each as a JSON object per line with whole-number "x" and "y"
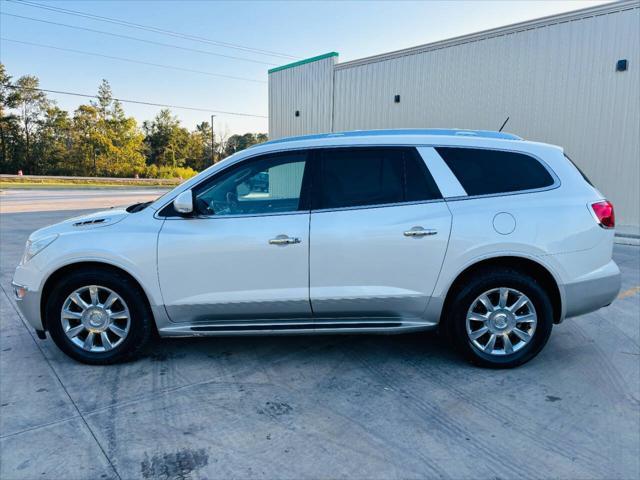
{"x": 31, "y": 249}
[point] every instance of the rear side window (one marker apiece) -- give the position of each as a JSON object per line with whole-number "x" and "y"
{"x": 484, "y": 172}
{"x": 354, "y": 177}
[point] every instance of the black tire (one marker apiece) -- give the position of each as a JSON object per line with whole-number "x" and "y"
{"x": 141, "y": 320}
{"x": 486, "y": 280}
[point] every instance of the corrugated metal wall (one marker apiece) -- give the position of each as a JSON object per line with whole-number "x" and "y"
{"x": 308, "y": 89}
{"x": 555, "y": 79}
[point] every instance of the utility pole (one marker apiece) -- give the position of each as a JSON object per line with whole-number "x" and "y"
{"x": 212, "y": 140}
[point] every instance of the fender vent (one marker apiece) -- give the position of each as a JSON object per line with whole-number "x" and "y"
{"x": 89, "y": 222}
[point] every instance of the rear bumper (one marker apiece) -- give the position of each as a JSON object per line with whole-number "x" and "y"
{"x": 588, "y": 295}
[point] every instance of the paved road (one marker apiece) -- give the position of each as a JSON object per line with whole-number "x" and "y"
{"x": 37, "y": 200}
{"x": 321, "y": 407}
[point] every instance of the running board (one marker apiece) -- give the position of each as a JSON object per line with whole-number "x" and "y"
{"x": 319, "y": 326}
{"x": 297, "y": 327}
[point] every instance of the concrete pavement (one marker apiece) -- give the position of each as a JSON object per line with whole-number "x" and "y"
{"x": 321, "y": 407}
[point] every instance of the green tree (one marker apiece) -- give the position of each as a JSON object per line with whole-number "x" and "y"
{"x": 38, "y": 137}
{"x": 105, "y": 141}
{"x": 84, "y": 140}
{"x": 32, "y": 104}
{"x": 203, "y": 139}
{"x": 54, "y": 142}
{"x": 122, "y": 143}
{"x": 235, "y": 143}
{"x": 166, "y": 140}
{"x": 9, "y": 128}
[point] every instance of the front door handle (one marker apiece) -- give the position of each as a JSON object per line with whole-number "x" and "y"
{"x": 420, "y": 232}
{"x": 283, "y": 240}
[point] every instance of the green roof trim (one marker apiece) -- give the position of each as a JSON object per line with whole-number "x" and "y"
{"x": 302, "y": 62}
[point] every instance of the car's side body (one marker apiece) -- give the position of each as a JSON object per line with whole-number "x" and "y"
{"x": 355, "y": 269}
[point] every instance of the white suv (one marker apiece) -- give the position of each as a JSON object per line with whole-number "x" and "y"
{"x": 490, "y": 237}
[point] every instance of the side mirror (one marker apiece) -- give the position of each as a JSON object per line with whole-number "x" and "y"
{"x": 183, "y": 203}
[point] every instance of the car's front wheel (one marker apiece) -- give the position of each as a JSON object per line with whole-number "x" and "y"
{"x": 500, "y": 318}
{"x": 98, "y": 317}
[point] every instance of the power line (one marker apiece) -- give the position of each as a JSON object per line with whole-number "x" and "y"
{"x": 137, "y": 39}
{"x": 141, "y": 102}
{"x": 195, "y": 38}
{"x": 131, "y": 60}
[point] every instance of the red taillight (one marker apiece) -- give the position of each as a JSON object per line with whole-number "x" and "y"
{"x": 604, "y": 213}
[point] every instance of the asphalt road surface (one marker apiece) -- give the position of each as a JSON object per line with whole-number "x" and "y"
{"x": 41, "y": 199}
{"x": 320, "y": 407}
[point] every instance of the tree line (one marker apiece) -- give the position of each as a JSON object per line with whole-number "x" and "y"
{"x": 99, "y": 139}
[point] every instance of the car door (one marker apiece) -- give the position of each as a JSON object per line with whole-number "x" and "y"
{"x": 379, "y": 233}
{"x": 244, "y": 255}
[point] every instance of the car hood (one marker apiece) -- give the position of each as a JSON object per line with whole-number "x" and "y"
{"x": 103, "y": 218}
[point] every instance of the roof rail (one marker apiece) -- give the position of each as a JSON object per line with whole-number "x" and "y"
{"x": 394, "y": 132}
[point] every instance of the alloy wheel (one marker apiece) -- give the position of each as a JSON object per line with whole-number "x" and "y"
{"x": 501, "y": 321}
{"x": 95, "y": 318}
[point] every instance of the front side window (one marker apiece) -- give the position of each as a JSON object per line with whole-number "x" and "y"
{"x": 362, "y": 176}
{"x": 485, "y": 172}
{"x": 269, "y": 184}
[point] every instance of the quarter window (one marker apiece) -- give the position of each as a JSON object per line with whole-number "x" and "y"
{"x": 484, "y": 172}
{"x": 271, "y": 184}
{"x": 353, "y": 177}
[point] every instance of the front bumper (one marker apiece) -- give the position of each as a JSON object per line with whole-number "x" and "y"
{"x": 597, "y": 291}
{"x": 28, "y": 303}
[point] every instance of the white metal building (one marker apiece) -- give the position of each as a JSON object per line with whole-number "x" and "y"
{"x": 571, "y": 80}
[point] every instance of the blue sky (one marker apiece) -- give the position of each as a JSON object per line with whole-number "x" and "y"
{"x": 300, "y": 29}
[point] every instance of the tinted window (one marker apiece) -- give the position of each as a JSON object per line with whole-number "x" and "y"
{"x": 270, "y": 184}
{"x": 483, "y": 172}
{"x": 419, "y": 183}
{"x": 351, "y": 177}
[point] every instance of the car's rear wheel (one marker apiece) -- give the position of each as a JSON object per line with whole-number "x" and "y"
{"x": 500, "y": 318}
{"x": 98, "y": 317}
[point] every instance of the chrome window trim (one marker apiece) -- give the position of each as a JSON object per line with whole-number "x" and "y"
{"x": 249, "y": 215}
{"x": 377, "y": 205}
{"x": 307, "y": 212}
{"x": 555, "y": 185}
{"x": 506, "y": 194}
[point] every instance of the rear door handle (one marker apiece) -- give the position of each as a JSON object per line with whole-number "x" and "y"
{"x": 284, "y": 240}
{"x": 420, "y": 232}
